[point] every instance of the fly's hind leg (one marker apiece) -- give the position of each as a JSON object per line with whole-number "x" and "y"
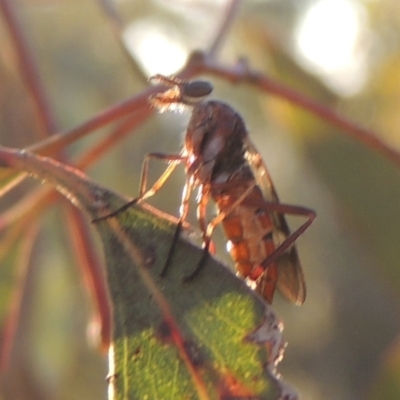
{"x": 282, "y": 209}
{"x": 268, "y": 272}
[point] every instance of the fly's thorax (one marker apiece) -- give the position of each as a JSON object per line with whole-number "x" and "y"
{"x": 215, "y": 137}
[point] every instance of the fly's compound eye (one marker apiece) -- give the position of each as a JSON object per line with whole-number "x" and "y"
{"x": 181, "y": 93}
{"x": 195, "y": 91}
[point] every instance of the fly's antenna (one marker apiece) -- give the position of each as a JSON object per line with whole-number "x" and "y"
{"x": 181, "y": 93}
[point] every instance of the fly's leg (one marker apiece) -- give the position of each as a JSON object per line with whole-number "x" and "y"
{"x": 209, "y": 229}
{"x": 168, "y": 81}
{"x": 201, "y": 216}
{"x": 292, "y": 210}
{"x": 266, "y": 274}
{"x": 282, "y": 209}
{"x": 183, "y": 212}
{"x": 271, "y": 207}
{"x": 172, "y": 160}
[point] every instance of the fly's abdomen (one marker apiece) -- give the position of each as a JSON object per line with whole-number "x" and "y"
{"x": 249, "y": 232}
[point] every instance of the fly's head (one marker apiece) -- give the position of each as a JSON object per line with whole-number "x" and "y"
{"x": 181, "y": 93}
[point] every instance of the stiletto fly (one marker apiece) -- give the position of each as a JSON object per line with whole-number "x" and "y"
{"x": 223, "y": 164}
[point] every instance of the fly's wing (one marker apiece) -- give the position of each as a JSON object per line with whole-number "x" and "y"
{"x": 291, "y": 282}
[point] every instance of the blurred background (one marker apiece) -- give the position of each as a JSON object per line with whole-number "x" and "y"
{"x": 343, "y": 343}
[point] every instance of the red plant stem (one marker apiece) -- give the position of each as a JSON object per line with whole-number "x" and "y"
{"x": 101, "y": 148}
{"x": 175, "y": 332}
{"x": 240, "y": 73}
{"x": 41, "y": 198}
{"x": 17, "y": 298}
{"x": 48, "y": 126}
{"x": 90, "y": 267}
{"x": 224, "y": 27}
{"x": 58, "y": 141}
{"x": 30, "y": 73}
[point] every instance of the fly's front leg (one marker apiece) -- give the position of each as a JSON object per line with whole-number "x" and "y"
{"x": 172, "y": 160}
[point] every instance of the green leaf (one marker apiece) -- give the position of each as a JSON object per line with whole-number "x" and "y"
{"x": 181, "y": 340}
{"x": 209, "y": 338}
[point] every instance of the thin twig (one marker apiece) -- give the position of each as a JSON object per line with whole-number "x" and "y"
{"x": 29, "y": 70}
{"x": 117, "y": 26}
{"x": 57, "y": 142}
{"x": 102, "y": 147}
{"x": 229, "y": 15}
{"x": 41, "y": 198}
{"x": 16, "y": 303}
{"x": 48, "y": 126}
{"x": 91, "y": 271}
{"x": 201, "y": 63}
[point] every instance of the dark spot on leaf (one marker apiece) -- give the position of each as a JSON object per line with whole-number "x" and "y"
{"x": 194, "y": 353}
{"x": 164, "y": 332}
{"x": 149, "y": 256}
{"x": 136, "y": 353}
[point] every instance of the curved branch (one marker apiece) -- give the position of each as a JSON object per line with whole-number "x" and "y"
{"x": 29, "y": 70}
{"x": 229, "y": 15}
{"x": 201, "y": 63}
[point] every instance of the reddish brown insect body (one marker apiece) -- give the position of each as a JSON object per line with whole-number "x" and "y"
{"x": 222, "y": 162}
{"x": 225, "y": 164}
